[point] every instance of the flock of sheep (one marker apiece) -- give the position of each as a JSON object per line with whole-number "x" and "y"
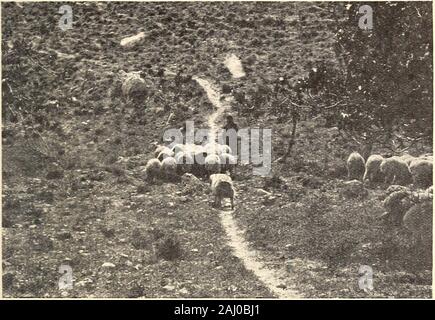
{"x": 217, "y": 162}
{"x": 411, "y": 207}
{"x": 212, "y": 160}
{"x": 397, "y": 170}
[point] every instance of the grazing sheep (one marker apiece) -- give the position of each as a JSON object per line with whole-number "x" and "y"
{"x": 184, "y": 162}
{"x": 396, "y": 171}
{"x": 222, "y": 187}
{"x": 211, "y": 148}
{"x": 427, "y": 156}
{"x": 169, "y": 168}
{"x": 159, "y": 149}
{"x": 212, "y": 164}
{"x": 407, "y": 158}
{"x": 418, "y": 220}
{"x": 223, "y": 148}
{"x": 216, "y": 148}
{"x": 152, "y": 169}
{"x": 199, "y": 166}
{"x": 165, "y": 153}
{"x": 396, "y": 204}
{"x": 355, "y": 166}
{"x": 228, "y": 162}
{"x": 190, "y": 148}
{"x": 373, "y": 172}
{"x": 178, "y": 148}
{"x": 200, "y": 156}
{"x": 421, "y": 171}
{"x": 430, "y": 190}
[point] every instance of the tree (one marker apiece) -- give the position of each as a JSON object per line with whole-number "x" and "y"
{"x": 383, "y": 85}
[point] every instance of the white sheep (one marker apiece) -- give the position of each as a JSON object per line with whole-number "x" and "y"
{"x": 159, "y": 149}
{"x": 223, "y": 148}
{"x": 228, "y": 162}
{"x": 212, "y": 164}
{"x": 222, "y": 187}
{"x": 216, "y": 148}
{"x": 152, "y": 169}
{"x": 212, "y": 148}
{"x": 355, "y": 166}
{"x": 396, "y": 171}
{"x": 430, "y": 190}
{"x": 407, "y": 158}
{"x": 178, "y": 148}
{"x": 199, "y": 166}
{"x": 422, "y": 173}
{"x": 169, "y": 168}
{"x": 184, "y": 162}
{"x": 427, "y": 156}
{"x": 165, "y": 153}
{"x": 192, "y": 148}
{"x": 373, "y": 172}
{"x": 396, "y": 204}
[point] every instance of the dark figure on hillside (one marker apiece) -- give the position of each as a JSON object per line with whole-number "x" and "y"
{"x": 183, "y": 131}
{"x": 230, "y": 125}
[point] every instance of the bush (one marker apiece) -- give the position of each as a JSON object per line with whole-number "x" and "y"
{"x": 169, "y": 247}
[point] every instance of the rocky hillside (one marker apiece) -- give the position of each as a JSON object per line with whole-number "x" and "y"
{"x": 74, "y": 148}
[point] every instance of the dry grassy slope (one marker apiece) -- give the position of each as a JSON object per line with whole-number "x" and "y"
{"x": 96, "y": 213}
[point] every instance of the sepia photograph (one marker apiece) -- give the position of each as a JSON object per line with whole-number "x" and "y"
{"x": 217, "y": 150}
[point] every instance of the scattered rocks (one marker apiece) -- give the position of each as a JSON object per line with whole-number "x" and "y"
{"x": 130, "y": 41}
{"x": 108, "y": 265}
{"x": 263, "y": 192}
{"x": 168, "y": 287}
{"x": 134, "y": 86}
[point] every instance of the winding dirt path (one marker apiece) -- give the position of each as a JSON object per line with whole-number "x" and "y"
{"x": 215, "y": 98}
{"x": 250, "y": 258}
{"x": 235, "y": 66}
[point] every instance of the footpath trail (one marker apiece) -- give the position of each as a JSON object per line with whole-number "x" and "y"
{"x": 250, "y": 258}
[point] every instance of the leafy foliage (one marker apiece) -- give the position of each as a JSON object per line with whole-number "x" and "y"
{"x": 385, "y": 76}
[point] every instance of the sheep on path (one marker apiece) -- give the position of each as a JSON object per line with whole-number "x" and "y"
{"x": 222, "y": 187}
{"x": 212, "y": 164}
